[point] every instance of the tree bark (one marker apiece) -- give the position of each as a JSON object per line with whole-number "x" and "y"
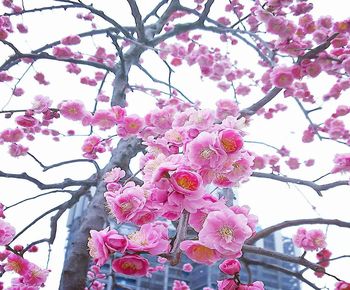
{"x": 75, "y": 269}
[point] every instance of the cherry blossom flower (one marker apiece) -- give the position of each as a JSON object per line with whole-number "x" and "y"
{"x": 230, "y": 267}
{"x": 71, "y": 40}
{"x": 17, "y": 150}
{"x": 230, "y": 140}
{"x": 18, "y": 92}
{"x": 115, "y": 242}
{"x": 72, "y": 110}
{"x": 293, "y": 163}
{"x": 93, "y": 145}
{"x": 203, "y": 151}
{"x": 180, "y": 285}
{"x": 17, "y": 264}
{"x": 133, "y": 265}
{"x": 41, "y": 79}
{"x": 281, "y": 77}
{"x": 187, "y": 267}
{"x": 104, "y": 119}
{"x": 22, "y": 28}
{"x": 309, "y": 240}
{"x": 342, "y": 163}
{"x": 187, "y": 182}
{"x": 7, "y": 232}
{"x": 12, "y": 135}
{"x": 342, "y": 285}
{"x": 323, "y": 257}
{"x": 2, "y": 215}
{"x": 73, "y": 68}
{"x": 225, "y": 232}
{"x": 41, "y": 104}
{"x": 97, "y": 248}
{"x": 26, "y": 121}
{"x": 199, "y": 253}
{"x": 35, "y": 276}
{"x": 126, "y": 205}
{"x": 227, "y": 284}
{"x": 152, "y": 238}
{"x": 131, "y": 124}
{"x": 114, "y": 175}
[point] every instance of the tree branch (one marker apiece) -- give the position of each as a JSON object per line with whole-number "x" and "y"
{"x": 264, "y": 233}
{"x": 314, "y": 186}
{"x": 66, "y": 183}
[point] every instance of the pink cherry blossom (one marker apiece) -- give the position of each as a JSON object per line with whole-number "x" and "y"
{"x": 186, "y": 182}
{"x": 230, "y": 267}
{"x": 35, "y": 276}
{"x": 62, "y": 52}
{"x": 115, "y": 242}
{"x": 133, "y": 265}
{"x": 119, "y": 113}
{"x": 93, "y": 145}
{"x": 187, "y": 267}
{"x": 152, "y": 238}
{"x": 114, "y": 175}
{"x": 225, "y": 231}
{"x": 73, "y": 68}
{"x": 309, "y": 240}
{"x": 7, "y": 232}
{"x": 227, "y": 284}
{"x": 97, "y": 248}
{"x": 180, "y": 285}
{"x": 131, "y": 124}
{"x": 17, "y": 150}
{"x": 342, "y": 163}
{"x": 17, "y": 264}
{"x": 144, "y": 216}
{"x": 103, "y": 98}
{"x": 342, "y": 285}
{"x": 71, "y": 40}
{"x": 41, "y": 104}
{"x": 22, "y": 28}
{"x": 12, "y": 135}
{"x": 72, "y": 110}
{"x": 4, "y": 77}
{"x": 18, "y": 92}
{"x": 26, "y": 121}
{"x": 104, "y": 119}
{"x": 2, "y": 215}
{"x": 258, "y": 285}
{"x": 203, "y": 151}
{"x": 282, "y": 77}
{"x": 40, "y": 77}
{"x": 126, "y": 205}
{"x": 293, "y": 163}
{"x": 199, "y": 253}
{"x": 323, "y": 257}
{"x": 230, "y": 140}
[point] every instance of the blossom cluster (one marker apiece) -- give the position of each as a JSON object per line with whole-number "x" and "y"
{"x": 194, "y": 149}
{"x": 232, "y": 268}
{"x": 30, "y": 275}
{"x": 309, "y": 240}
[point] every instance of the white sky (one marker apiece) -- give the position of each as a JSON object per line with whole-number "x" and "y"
{"x": 272, "y": 201}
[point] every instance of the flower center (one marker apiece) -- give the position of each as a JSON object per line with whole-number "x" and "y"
{"x": 226, "y": 233}
{"x": 229, "y": 145}
{"x": 186, "y": 183}
{"x": 125, "y": 206}
{"x": 128, "y": 266}
{"x": 206, "y": 153}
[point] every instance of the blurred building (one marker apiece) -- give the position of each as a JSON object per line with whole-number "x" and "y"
{"x": 201, "y": 275}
